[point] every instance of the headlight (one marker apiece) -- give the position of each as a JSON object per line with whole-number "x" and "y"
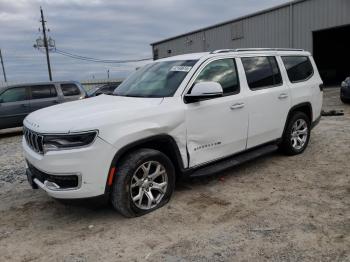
{"x": 69, "y": 141}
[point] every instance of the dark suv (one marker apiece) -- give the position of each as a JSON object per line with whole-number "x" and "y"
{"x": 345, "y": 91}
{"x": 17, "y": 101}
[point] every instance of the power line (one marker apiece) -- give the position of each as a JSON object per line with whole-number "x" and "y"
{"x": 97, "y": 60}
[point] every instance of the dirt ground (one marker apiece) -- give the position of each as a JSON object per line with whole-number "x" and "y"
{"x": 275, "y": 208}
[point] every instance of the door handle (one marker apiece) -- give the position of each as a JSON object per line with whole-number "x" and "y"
{"x": 237, "y": 106}
{"x": 282, "y": 96}
{"x": 25, "y": 105}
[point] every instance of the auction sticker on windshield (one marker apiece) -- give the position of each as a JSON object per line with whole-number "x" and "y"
{"x": 181, "y": 68}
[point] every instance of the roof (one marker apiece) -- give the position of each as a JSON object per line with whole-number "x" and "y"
{"x": 237, "y": 52}
{"x": 191, "y": 56}
{"x": 231, "y": 21}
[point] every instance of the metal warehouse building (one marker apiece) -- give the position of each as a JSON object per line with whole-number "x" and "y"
{"x": 319, "y": 26}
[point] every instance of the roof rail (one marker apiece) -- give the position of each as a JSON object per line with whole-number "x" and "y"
{"x": 254, "y": 49}
{"x": 267, "y": 49}
{"x": 222, "y": 51}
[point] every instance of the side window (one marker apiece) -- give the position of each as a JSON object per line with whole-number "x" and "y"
{"x": 262, "y": 72}
{"x": 299, "y": 68}
{"x": 43, "y": 91}
{"x": 14, "y": 95}
{"x": 70, "y": 90}
{"x": 224, "y": 72}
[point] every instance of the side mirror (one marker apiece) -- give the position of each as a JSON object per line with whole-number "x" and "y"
{"x": 1, "y": 100}
{"x": 343, "y": 84}
{"x": 203, "y": 91}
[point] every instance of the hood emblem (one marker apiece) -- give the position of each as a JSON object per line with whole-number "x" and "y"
{"x": 32, "y": 124}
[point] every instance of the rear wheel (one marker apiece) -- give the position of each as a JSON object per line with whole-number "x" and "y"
{"x": 297, "y": 134}
{"x": 344, "y": 100}
{"x": 144, "y": 182}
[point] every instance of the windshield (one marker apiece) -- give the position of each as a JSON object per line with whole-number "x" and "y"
{"x": 159, "y": 79}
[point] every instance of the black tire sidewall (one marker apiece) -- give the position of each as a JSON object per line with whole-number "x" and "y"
{"x": 126, "y": 171}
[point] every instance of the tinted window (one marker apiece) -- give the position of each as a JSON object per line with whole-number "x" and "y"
{"x": 70, "y": 90}
{"x": 261, "y": 71}
{"x": 223, "y": 72}
{"x": 14, "y": 95}
{"x": 43, "y": 91}
{"x": 298, "y": 68}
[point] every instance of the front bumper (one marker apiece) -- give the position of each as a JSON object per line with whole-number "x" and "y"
{"x": 70, "y": 174}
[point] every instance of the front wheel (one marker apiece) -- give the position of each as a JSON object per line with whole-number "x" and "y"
{"x": 297, "y": 134}
{"x": 144, "y": 181}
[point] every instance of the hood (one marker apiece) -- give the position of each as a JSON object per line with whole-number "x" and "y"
{"x": 89, "y": 114}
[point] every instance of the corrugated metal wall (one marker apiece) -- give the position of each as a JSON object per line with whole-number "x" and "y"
{"x": 288, "y": 26}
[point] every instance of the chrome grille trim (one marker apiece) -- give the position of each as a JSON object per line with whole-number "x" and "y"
{"x": 34, "y": 140}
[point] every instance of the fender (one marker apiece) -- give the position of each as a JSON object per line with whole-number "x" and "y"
{"x": 161, "y": 142}
{"x": 294, "y": 108}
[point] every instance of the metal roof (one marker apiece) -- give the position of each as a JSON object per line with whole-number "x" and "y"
{"x": 231, "y": 21}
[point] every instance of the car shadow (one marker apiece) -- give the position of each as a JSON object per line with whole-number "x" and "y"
{"x": 98, "y": 207}
{"x": 11, "y": 132}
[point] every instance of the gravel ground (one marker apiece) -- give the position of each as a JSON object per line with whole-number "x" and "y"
{"x": 275, "y": 208}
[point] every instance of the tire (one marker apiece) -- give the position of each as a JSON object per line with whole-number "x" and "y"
{"x": 345, "y": 100}
{"x": 294, "y": 143}
{"x": 143, "y": 174}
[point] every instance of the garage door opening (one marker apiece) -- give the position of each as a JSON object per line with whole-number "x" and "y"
{"x": 332, "y": 54}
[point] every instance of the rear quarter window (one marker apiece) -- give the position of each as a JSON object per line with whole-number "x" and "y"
{"x": 299, "y": 68}
{"x": 70, "y": 90}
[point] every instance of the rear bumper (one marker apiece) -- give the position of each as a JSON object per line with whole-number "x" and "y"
{"x": 316, "y": 122}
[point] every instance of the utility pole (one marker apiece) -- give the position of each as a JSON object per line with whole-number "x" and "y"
{"x": 45, "y": 43}
{"x": 3, "y": 67}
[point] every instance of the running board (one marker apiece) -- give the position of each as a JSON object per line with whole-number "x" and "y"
{"x": 234, "y": 161}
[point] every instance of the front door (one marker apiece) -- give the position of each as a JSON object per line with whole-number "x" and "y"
{"x": 217, "y": 127}
{"x": 14, "y": 107}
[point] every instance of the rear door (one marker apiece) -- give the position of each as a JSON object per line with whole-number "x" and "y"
{"x": 14, "y": 107}
{"x": 268, "y": 99}
{"x": 304, "y": 81}
{"x": 43, "y": 96}
{"x": 71, "y": 92}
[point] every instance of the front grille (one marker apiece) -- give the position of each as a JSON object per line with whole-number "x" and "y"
{"x": 64, "y": 182}
{"x": 34, "y": 140}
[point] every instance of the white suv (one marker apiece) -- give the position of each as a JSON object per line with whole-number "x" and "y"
{"x": 192, "y": 115}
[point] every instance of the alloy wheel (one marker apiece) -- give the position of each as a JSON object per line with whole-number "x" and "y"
{"x": 148, "y": 185}
{"x": 299, "y": 134}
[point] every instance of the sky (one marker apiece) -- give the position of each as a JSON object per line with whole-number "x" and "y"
{"x": 104, "y": 29}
